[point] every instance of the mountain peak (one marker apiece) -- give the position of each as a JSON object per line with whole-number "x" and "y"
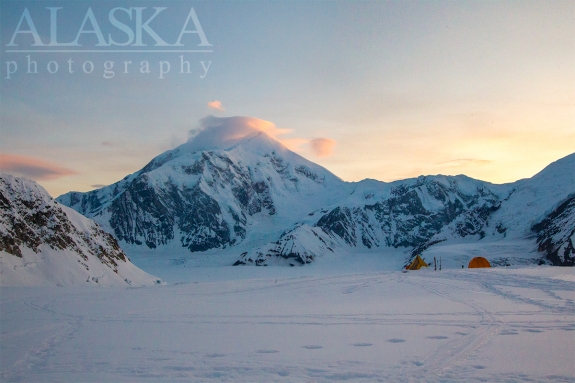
{"x": 225, "y": 133}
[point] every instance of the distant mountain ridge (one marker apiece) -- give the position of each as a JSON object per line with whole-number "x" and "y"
{"x": 44, "y": 243}
{"x": 233, "y": 186}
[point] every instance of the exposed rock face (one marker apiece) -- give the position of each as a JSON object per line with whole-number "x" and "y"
{"x": 34, "y": 227}
{"x": 207, "y": 199}
{"x": 414, "y": 213}
{"x": 30, "y": 219}
{"x": 208, "y": 202}
{"x": 298, "y": 246}
{"x": 253, "y": 194}
{"x": 556, "y": 234}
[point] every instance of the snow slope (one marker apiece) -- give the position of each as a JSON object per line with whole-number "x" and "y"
{"x": 43, "y": 243}
{"x": 299, "y": 325}
{"x": 241, "y": 186}
{"x": 236, "y": 189}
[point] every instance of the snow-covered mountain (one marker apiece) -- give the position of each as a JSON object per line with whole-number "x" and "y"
{"x": 234, "y": 187}
{"x": 232, "y": 183}
{"x": 43, "y": 243}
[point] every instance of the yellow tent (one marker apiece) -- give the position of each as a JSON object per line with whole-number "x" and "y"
{"x": 478, "y": 262}
{"x": 417, "y": 263}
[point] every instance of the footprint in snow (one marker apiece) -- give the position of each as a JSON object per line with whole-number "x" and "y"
{"x": 478, "y": 367}
{"x": 215, "y": 355}
{"x": 533, "y": 330}
{"x": 362, "y": 344}
{"x": 396, "y": 340}
{"x": 508, "y": 333}
{"x": 313, "y": 347}
{"x": 437, "y": 337}
{"x": 179, "y": 368}
{"x": 267, "y": 351}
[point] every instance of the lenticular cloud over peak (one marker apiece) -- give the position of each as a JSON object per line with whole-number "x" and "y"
{"x": 225, "y": 132}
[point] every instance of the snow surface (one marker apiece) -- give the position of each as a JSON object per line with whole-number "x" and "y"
{"x": 307, "y": 324}
{"x": 61, "y": 268}
{"x": 77, "y": 264}
{"x": 236, "y": 189}
{"x": 537, "y": 196}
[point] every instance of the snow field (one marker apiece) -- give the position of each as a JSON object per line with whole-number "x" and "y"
{"x": 451, "y": 326}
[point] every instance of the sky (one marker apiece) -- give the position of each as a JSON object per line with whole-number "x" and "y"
{"x": 382, "y": 90}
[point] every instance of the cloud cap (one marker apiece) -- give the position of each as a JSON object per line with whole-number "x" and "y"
{"x": 225, "y": 132}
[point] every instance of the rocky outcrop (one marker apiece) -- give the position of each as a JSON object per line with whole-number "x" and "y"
{"x": 34, "y": 229}
{"x": 247, "y": 191}
{"x": 556, "y": 234}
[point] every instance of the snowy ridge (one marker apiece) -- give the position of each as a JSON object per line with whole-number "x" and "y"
{"x": 415, "y": 212}
{"x": 298, "y": 246}
{"x": 212, "y": 197}
{"x": 535, "y": 198}
{"x": 234, "y": 187}
{"x": 43, "y": 243}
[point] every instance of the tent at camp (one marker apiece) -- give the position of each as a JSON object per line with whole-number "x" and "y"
{"x": 478, "y": 262}
{"x": 417, "y": 264}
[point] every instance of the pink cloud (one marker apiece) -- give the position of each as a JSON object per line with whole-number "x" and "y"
{"x": 294, "y": 144}
{"x": 223, "y": 132}
{"x": 217, "y": 105}
{"x": 322, "y": 147}
{"x": 32, "y": 168}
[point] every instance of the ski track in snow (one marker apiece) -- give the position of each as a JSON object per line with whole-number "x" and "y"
{"x": 449, "y": 326}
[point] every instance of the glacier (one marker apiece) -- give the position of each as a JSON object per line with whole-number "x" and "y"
{"x": 235, "y": 189}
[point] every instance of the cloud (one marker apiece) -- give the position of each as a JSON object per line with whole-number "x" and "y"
{"x": 217, "y": 105}
{"x": 32, "y": 168}
{"x": 224, "y": 132}
{"x": 294, "y": 144}
{"x": 322, "y": 147}
{"x": 464, "y": 162}
{"x": 107, "y": 143}
{"x": 98, "y": 186}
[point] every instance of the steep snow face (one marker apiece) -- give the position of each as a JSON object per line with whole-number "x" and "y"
{"x": 535, "y": 198}
{"x": 209, "y": 198}
{"x": 44, "y": 243}
{"x": 234, "y": 186}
